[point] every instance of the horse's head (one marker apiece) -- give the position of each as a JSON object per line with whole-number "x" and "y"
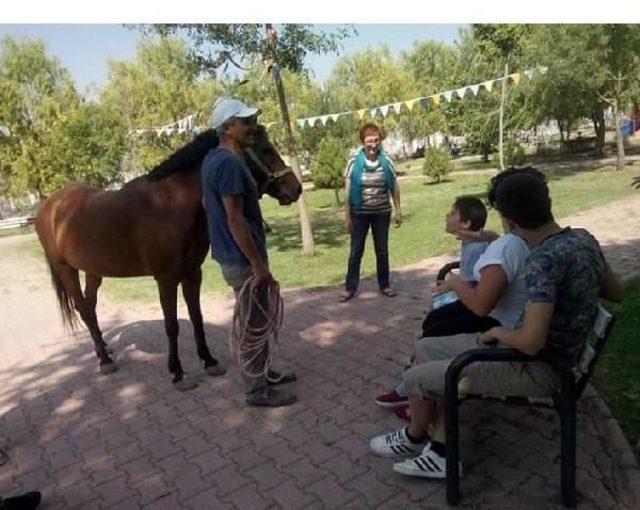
{"x": 271, "y": 173}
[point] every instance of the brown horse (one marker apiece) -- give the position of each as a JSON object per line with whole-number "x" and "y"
{"x": 154, "y": 225}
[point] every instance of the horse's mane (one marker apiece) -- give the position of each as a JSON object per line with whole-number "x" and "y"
{"x": 186, "y": 157}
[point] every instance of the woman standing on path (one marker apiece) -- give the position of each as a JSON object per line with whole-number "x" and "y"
{"x": 370, "y": 180}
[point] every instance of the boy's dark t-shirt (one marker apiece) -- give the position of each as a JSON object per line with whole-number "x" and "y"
{"x": 225, "y": 174}
{"x": 565, "y": 269}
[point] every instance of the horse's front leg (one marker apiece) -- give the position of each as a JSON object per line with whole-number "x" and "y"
{"x": 168, "y": 289}
{"x": 191, "y": 291}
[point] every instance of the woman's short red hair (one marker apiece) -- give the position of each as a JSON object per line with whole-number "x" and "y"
{"x": 370, "y": 127}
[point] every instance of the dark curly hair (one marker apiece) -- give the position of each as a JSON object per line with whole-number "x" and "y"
{"x": 521, "y": 195}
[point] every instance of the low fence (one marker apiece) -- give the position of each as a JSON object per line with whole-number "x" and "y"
{"x": 16, "y": 222}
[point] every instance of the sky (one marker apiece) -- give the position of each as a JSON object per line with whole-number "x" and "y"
{"x": 85, "y": 49}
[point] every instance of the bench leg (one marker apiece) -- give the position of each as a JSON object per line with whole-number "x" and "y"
{"x": 452, "y": 448}
{"x": 567, "y": 411}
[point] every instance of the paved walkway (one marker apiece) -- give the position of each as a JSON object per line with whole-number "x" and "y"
{"x": 129, "y": 440}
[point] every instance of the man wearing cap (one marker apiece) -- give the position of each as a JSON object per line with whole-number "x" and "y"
{"x": 236, "y": 231}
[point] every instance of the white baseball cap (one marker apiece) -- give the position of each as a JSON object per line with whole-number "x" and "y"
{"x": 226, "y": 108}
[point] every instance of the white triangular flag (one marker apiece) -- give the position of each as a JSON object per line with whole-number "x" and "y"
{"x": 529, "y": 73}
{"x": 335, "y": 117}
{"x": 301, "y": 123}
{"x": 475, "y": 89}
{"x": 397, "y": 107}
{"x": 448, "y": 95}
{"x": 373, "y": 112}
{"x": 324, "y": 119}
{"x": 461, "y": 92}
{"x": 385, "y": 109}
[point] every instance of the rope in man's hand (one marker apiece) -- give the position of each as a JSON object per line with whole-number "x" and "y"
{"x": 250, "y": 335}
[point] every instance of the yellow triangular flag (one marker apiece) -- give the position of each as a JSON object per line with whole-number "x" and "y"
{"x": 515, "y": 77}
{"x": 361, "y": 114}
{"x": 488, "y": 85}
{"x": 411, "y": 103}
{"x": 435, "y": 99}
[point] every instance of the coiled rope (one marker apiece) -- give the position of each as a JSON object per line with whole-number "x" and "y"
{"x": 247, "y": 341}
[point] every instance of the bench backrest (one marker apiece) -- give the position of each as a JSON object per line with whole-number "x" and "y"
{"x": 593, "y": 348}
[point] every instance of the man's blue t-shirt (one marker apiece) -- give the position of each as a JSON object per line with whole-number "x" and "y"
{"x": 225, "y": 174}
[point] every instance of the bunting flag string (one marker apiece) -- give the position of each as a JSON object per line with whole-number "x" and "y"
{"x": 436, "y": 99}
{"x": 188, "y": 123}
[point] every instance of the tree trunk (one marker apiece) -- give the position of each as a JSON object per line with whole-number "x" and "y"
{"x": 337, "y": 192}
{"x": 597, "y": 118}
{"x": 306, "y": 231}
{"x": 619, "y": 137}
{"x": 502, "y": 99}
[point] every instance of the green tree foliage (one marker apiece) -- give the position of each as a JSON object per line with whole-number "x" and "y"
{"x": 158, "y": 87}
{"x": 591, "y": 67}
{"x": 56, "y": 137}
{"x": 370, "y": 78}
{"x": 432, "y": 67}
{"x": 215, "y": 46}
{"x": 480, "y": 58}
{"x": 514, "y": 154}
{"x": 436, "y": 164}
{"x": 327, "y": 169}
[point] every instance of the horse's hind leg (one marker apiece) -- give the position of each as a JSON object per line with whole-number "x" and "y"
{"x": 191, "y": 292}
{"x": 71, "y": 281}
{"x": 92, "y": 284}
{"x": 168, "y": 289}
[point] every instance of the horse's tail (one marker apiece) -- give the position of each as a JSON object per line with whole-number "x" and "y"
{"x": 67, "y": 309}
{"x": 45, "y": 235}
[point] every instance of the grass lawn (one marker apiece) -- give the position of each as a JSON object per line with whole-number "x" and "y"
{"x": 424, "y": 206}
{"x": 617, "y": 372}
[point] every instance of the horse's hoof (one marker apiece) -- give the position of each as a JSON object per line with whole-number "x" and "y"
{"x": 185, "y": 384}
{"x": 108, "y": 368}
{"x": 215, "y": 370}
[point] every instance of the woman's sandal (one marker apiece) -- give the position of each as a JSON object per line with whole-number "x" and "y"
{"x": 346, "y": 296}
{"x": 388, "y": 292}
